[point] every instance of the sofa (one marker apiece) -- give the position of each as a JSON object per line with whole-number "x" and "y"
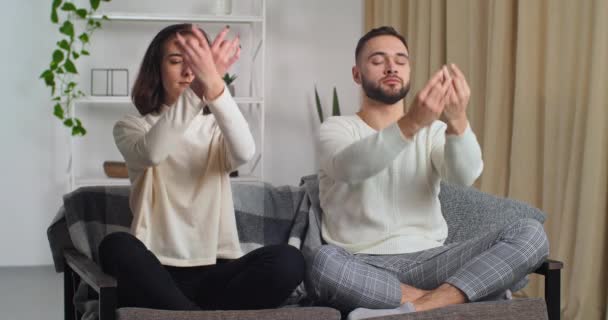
{"x": 265, "y": 215}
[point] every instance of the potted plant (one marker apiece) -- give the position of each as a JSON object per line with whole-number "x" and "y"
{"x": 335, "y": 105}
{"x": 60, "y": 76}
{"x": 229, "y": 79}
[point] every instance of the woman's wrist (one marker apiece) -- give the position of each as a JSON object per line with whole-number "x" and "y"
{"x": 214, "y": 89}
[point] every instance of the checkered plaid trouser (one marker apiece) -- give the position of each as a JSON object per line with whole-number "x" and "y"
{"x": 482, "y": 266}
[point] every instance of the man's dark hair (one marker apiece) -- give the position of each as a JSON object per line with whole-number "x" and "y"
{"x": 376, "y": 32}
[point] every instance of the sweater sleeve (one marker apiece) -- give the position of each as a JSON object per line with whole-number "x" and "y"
{"x": 238, "y": 140}
{"x": 457, "y": 159}
{"x": 346, "y": 158}
{"x": 143, "y": 148}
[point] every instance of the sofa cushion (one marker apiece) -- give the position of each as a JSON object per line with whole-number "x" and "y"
{"x": 307, "y": 313}
{"x": 516, "y": 309}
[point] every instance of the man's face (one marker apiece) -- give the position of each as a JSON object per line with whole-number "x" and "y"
{"x": 383, "y": 69}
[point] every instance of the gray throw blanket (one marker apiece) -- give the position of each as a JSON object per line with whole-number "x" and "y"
{"x": 265, "y": 215}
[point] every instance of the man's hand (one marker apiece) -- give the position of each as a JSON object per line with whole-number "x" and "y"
{"x": 199, "y": 57}
{"x": 225, "y": 53}
{"x": 454, "y": 114}
{"x": 428, "y": 104}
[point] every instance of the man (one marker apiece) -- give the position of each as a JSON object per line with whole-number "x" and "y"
{"x": 379, "y": 185}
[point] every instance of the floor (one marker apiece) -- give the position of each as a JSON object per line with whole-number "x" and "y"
{"x": 31, "y": 293}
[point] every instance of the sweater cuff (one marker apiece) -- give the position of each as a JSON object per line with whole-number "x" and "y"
{"x": 466, "y": 137}
{"x": 223, "y": 107}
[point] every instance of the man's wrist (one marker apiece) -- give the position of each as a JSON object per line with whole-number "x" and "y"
{"x": 408, "y": 127}
{"x": 457, "y": 126}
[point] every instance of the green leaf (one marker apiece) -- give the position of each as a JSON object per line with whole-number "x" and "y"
{"x": 336, "y": 104}
{"x": 68, "y": 29}
{"x": 91, "y": 22}
{"x": 68, "y": 123}
{"x": 84, "y": 37}
{"x": 75, "y": 55}
{"x": 78, "y": 129}
{"x": 50, "y": 82}
{"x": 56, "y": 99}
{"x": 60, "y": 70}
{"x": 104, "y": 17}
{"x": 46, "y": 73}
{"x": 56, "y": 3}
{"x": 85, "y": 53}
{"x": 58, "y": 111}
{"x": 64, "y": 44}
{"x": 68, "y": 6}
{"x": 82, "y": 13}
{"x": 49, "y": 78}
{"x": 54, "y": 16}
{"x": 94, "y": 4}
{"x": 58, "y": 56}
{"x": 318, "y": 102}
{"x": 97, "y": 24}
{"x": 70, "y": 67}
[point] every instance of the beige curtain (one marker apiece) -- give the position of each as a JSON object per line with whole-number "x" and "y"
{"x": 539, "y": 77}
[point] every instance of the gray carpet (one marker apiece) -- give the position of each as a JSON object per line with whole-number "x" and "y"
{"x": 30, "y": 293}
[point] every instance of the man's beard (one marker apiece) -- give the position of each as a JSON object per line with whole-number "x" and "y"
{"x": 375, "y": 92}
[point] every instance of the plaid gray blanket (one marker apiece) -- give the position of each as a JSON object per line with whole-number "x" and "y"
{"x": 265, "y": 215}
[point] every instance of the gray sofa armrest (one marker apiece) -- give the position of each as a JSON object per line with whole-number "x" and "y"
{"x": 304, "y": 313}
{"x": 81, "y": 266}
{"x": 520, "y": 309}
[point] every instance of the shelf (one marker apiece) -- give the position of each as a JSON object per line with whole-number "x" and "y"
{"x": 125, "y": 182}
{"x": 246, "y": 179}
{"x": 127, "y": 100}
{"x": 117, "y": 16}
{"x": 101, "y": 182}
{"x": 252, "y": 106}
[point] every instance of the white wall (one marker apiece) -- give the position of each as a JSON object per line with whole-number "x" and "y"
{"x": 308, "y": 42}
{"x": 29, "y": 190}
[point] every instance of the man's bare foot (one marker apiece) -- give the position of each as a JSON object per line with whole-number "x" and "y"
{"x": 443, "y": 296}
{"x": 411, "y": 294}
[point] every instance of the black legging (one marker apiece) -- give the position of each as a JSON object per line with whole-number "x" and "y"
{"x": 263, "y": 278}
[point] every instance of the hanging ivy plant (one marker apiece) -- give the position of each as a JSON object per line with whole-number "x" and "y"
{"x": 60, "y": 77}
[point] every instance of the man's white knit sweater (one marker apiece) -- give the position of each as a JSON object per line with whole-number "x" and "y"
{"x": 379, "y": 190}
{"x": 179, "y": 161}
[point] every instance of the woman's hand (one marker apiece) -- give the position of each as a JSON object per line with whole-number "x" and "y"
{"x": 225, "y": 52}
{"x": 199, "y": 58}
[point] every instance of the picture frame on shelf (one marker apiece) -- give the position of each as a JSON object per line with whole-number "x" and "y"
{"x": 110, "y": 82}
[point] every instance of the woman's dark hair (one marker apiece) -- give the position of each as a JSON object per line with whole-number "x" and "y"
{"x": 148, "y": 93}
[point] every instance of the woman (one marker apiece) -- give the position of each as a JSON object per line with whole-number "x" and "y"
{"x": 183, "y": 251}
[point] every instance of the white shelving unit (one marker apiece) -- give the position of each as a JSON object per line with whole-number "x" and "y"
{"x": 250, "y": 102}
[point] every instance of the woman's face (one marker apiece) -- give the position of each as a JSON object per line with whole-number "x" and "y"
{"x": 176, "y": 76}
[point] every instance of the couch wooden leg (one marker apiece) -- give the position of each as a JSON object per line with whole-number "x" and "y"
{"x": 68, "y": 294}
{"x": 552, "y": 293}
